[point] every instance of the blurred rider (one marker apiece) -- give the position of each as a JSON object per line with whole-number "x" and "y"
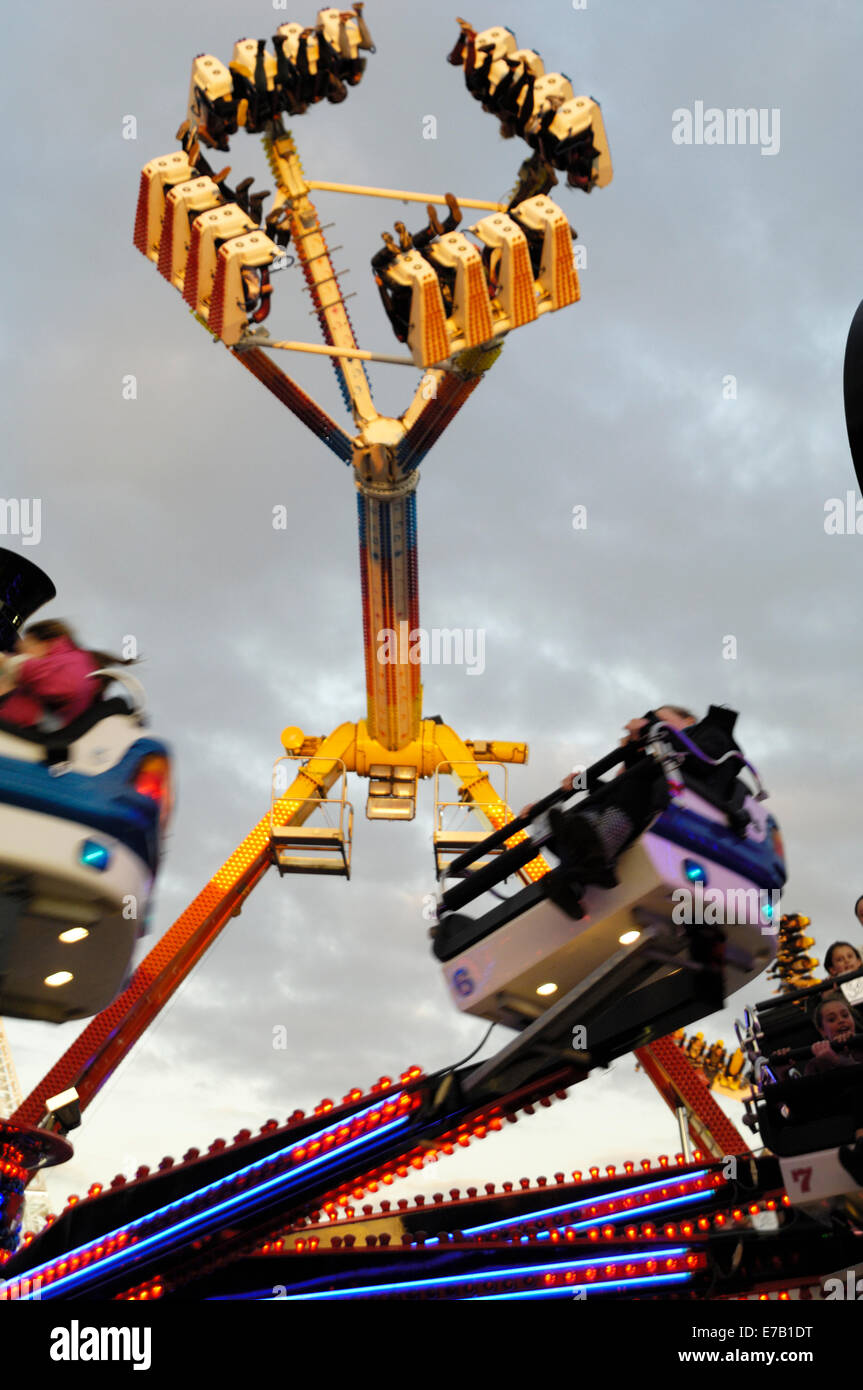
{"x": 47, "y": 682}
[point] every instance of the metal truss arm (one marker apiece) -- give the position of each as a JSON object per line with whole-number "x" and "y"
{"x": 322, "y": 281}
{"x": 480, "y": 793}
{"x": 295, "y": 398}
{"x": 679, "y": 1084}
{"x": 438, "y": 399}
{"x": 109, "y": 1037}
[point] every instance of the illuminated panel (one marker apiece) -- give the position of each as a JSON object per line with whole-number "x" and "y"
{"x": 567, "y": 1290}
{"x": 295, "y": 398}
{"x": 453, "y": 389}
{"x": 621, "y": 1203}
{"x": 499, "y": 815}
{"x": 647, "y": 1267}
{"x": 128, "y": 1243}
{"x": 677, "y": 1080}
{"x": 390, "y": 604}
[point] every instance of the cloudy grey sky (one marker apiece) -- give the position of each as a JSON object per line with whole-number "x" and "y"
{"x": 705, "y": 515}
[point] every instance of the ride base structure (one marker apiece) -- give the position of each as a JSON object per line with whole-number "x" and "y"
{"x": 452, "y": 302}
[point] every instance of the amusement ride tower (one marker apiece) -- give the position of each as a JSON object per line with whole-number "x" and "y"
{"x": 452, "y": 295}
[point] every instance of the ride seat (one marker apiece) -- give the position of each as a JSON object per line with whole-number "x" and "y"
{"x": 820, "y": 1112}
{"x": 732, "y": 807}
{"x": 787, "y": 1026}
{"x": 58, "y": 741}
{"x": 787, "y": 1139}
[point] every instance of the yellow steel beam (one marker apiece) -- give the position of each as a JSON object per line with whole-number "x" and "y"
{"x": 438, "y": 747}
{"x": 482, "y": 795}
{"x": 333, "y": 751}
{"x": 359, "y": 354}
{"x": 401, "y": 195}
{"x": 425, "y": 754}
{"x": 108, "y": 1038}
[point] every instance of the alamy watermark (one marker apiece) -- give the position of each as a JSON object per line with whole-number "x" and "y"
{"x": 437, "y": 646}
{"x": 21, "y": 516}
{"x": 713, "y": 907}
{"x": 735, "y": 126}
{"x": 844, "y": 517}
{"x": 22, "y": 1289}
{"x": 851, "y": 1289}
{"x": 77, "y": 1343}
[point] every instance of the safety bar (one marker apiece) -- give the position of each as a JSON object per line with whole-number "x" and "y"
{"x": 129, "y": 683}
{"x": 506, "y": 832}
{"x": 694, "y": 751}
{"x": 809, "y": 992}
{"x": 796, "y": 1054}
{"x": 500, "y": 867}
{"x": 446, "y": 839}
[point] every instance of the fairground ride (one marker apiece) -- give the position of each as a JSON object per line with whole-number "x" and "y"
{"x": 267, "y": 1216}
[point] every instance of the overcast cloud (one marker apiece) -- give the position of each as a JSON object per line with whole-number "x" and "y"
{"x": 705, "y": 515}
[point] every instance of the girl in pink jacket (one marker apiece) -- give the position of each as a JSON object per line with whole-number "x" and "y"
{"x": 48, "y": 679}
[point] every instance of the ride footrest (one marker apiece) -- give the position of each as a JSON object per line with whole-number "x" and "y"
{"x": 311, "y": 849}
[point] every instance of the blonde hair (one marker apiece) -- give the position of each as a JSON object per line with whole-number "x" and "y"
{"x": 679, "y": 711}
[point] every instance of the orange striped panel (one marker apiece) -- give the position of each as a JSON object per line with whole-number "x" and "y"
{"x": 477, "y": 314}
{"x": 142, "y": 215}
{"x": 522, "y": 292}
{"x": 435, "y": 340}
{"x": 566, "y": 286}
{"x": 216, "y": 316}
{"x": 166, "y": 241}
{"x": 190, "y": 284}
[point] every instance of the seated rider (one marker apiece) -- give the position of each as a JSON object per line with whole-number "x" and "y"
{"x": 835, "y": 1051}
{"x": 46, "y": 684}
{"x": 837, "y": 1025}
{"x": 836, "y": 1021}
{"x": 397, "y": 297}
{"x": 592, "y": 834}
{"x": 842, "y": 958}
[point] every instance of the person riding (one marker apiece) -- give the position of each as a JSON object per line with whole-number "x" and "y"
{"x": 397, "y": 298}
{"x": 593, "y": 834}
{"x": 842, "y": 958}
{"x": 837, "y": 1025}
{"x": 831, "y": 1055}
{"x": 48, "y": 682}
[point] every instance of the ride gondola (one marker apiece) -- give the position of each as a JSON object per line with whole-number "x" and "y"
{"x": 83, "y": 810}
{"x": 706, "y": 857}
{"x": 809, "y": 1117}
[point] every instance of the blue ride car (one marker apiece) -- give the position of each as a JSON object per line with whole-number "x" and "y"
{"x": 83, "y": 812}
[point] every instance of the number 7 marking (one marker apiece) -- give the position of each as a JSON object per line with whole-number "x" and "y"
{"x": 802, "y": 1176}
